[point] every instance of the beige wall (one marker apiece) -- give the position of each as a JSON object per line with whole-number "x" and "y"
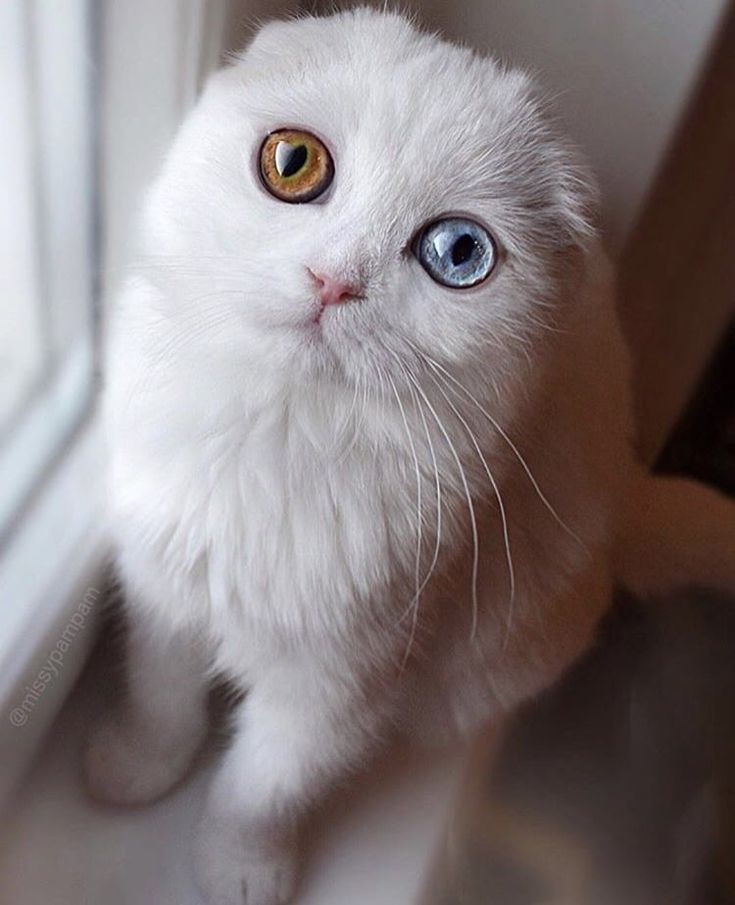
{"x": 620, "y": 70}
{"x": 623, "y": 74}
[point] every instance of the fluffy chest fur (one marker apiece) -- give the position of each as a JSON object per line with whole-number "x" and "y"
{"x": 288, "y": 515}
{"x": 275, "y": 517}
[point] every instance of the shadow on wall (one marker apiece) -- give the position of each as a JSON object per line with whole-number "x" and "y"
{"x": 619, "y": 71}
{"x": 617, "y": 787}
{"x": 611, "y": 787}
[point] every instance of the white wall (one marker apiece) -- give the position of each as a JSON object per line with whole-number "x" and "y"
{"x": 621, "y": 71}
{"x": 21, "y": 315}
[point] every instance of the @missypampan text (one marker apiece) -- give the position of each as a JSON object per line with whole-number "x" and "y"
{"x": 50, "y": 670}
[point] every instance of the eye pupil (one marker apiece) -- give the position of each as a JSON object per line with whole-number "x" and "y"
{"x": 290, "y": 159}
{"x": 462, "y": 249}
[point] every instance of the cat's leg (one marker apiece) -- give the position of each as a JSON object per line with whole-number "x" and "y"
{"x": 675, "y": 532}
{"x": 297, "y": 735}
{"x": 139, "y": 752}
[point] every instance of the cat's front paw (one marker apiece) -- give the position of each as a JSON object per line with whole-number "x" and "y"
{"x": 233, "y": 871}
{"x": 127, "y": 764}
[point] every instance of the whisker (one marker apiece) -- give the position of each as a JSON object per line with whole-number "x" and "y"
{"x": 359, "y": 418}
{"x": 419, "y": 512}
{"x": 437, "y": 483}
{"x": 542, "y": 497}
{"x": 468, "y": 495}
{"x": 501, "y": 507}
{"x": 346, "y": 422}
{"x": 413, "y": 606}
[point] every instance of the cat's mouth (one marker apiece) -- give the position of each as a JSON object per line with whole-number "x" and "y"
{"x": 331, "y": 323}
{"x": 323, "y": 317}
{"x": 331, "y": 330}
{"x": 322, "y": 323}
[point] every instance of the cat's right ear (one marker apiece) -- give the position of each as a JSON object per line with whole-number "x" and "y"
{"x": 267, "y": 44}
{"x": 286, "y": 40}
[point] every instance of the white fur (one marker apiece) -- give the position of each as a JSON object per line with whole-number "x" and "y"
{"x": 266, "y": 475}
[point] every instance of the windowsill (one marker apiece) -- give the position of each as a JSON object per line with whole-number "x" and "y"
{"x": 374, "y": 845}
{"x": 54, "y": 559}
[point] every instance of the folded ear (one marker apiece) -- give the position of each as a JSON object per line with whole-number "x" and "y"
{"x": 279, "y": 39}
{"x": 267, "y": 40}
{"x": 563, "y": 190}
{"x": 577, "y": 194}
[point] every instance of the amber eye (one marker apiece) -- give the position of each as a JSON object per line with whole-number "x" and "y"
{"x": 295, "y": 166}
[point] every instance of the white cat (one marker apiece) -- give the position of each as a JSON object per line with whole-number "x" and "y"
{"x": 370, "y": 429}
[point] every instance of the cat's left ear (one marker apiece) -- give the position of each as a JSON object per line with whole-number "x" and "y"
{"x": 573, "y": 197}
{"x": 577, "y": 195}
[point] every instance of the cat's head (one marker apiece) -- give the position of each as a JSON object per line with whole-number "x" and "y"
{"x": 351, "y": 190}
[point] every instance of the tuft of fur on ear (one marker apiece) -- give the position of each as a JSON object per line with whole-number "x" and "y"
{"x": 303, "y": 36}
{"x": 573, "y": 191}
{"x": 577, "y": 194}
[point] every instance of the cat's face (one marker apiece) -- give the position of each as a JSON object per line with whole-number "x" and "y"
{"x": 429, "y": 187}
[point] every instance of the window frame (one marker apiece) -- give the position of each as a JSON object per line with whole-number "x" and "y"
{"x": 59, "y": 398}
{"x": 55, "y": 548}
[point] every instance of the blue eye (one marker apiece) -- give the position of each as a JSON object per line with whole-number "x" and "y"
{"x": 456, "y": 252}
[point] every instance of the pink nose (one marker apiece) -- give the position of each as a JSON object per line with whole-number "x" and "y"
{"x": 334, "y": 292}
